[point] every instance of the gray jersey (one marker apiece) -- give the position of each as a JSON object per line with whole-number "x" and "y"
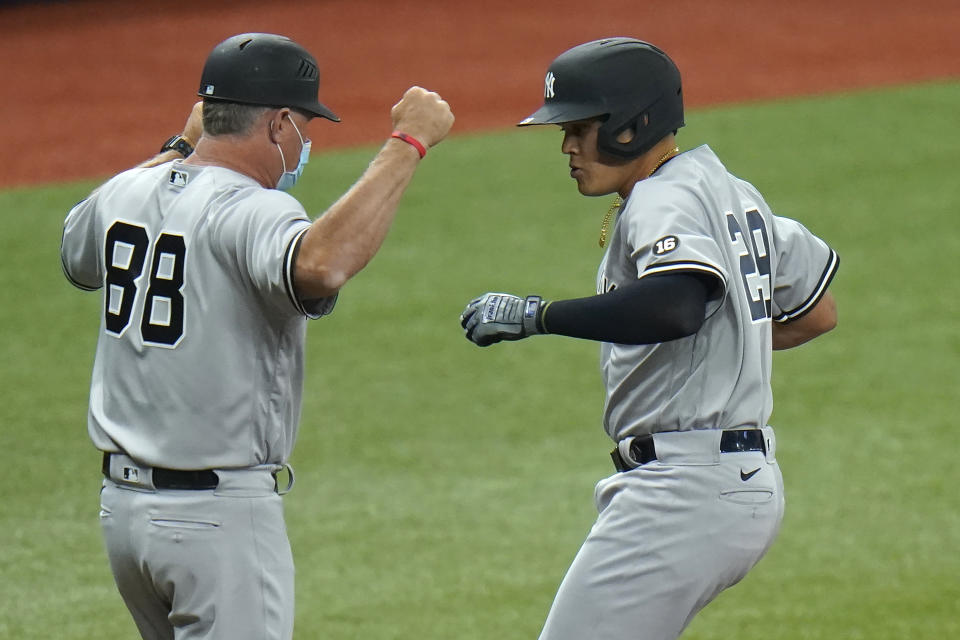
{"x": 694, "y": 216}
{"x": 199, "y": 362}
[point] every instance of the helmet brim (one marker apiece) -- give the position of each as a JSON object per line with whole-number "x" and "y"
{"x": 560, "y": 113}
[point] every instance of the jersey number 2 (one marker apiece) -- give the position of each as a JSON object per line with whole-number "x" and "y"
{"x": 754, "y": 262}
{"x": 125, "y": 253}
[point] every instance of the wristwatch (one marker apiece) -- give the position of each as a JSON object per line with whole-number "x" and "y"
{"x": 179, "y": 144}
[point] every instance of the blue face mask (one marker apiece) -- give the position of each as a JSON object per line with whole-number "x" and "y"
{"x": 289, "y": 178}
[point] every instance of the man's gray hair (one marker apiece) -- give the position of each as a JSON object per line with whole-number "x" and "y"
{"x": 222, "y": 118}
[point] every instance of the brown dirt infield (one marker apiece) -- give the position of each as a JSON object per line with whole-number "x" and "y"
{"x": 93, "y": 87}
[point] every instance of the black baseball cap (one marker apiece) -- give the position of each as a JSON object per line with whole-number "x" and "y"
{"x": 264, "y": 69}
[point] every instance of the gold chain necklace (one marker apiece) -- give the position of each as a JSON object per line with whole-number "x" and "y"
{"x": 618, "y": 201}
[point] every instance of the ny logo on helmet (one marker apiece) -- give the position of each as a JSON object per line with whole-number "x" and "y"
{"x": 548, "y": 85}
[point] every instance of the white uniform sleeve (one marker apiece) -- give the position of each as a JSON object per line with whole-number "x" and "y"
{"x": 805, "y": 267}
{"x": 261, "y": 237}
{"x": 80, "y": 246}
{"x": 667, "y": 234}
{"x": 313, "y": 308}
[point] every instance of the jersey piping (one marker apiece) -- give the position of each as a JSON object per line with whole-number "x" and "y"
{"x": 289, "y": 262}
{"x": 691, "y": 265}
{"x": 828, "y": 272}
{"x": 70, "y": 278}
{"x": 74, "y": 282}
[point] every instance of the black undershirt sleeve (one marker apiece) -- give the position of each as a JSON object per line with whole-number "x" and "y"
{"x": 653, "y": 309}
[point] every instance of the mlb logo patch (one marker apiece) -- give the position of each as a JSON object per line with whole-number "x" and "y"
{"x": 178, "y": 178}
{"x": 208, "y": 90}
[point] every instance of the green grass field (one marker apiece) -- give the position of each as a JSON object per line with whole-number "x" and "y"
{"x": 443, "y": 489}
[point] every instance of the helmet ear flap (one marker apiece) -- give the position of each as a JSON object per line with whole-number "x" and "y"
{"x": 612, "y": 129}
{"x": 658, "y": 119}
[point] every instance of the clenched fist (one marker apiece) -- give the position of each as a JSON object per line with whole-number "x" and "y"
{"x": 500, "y": 316}
{"x": 424, "y": 115}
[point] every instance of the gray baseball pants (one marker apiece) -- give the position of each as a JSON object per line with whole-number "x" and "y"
{"x": 203, "y": 564}
{"x": 669, "y": 537}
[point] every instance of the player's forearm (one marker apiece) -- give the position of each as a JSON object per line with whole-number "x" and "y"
{"x": 821, "y": 319}
{"x": 653, "y": 309}
{"x": 346, "y": 237}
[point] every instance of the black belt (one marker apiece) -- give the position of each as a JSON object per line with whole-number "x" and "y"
{"x": 175, "y": 478}
{"x": 733, "y": 440}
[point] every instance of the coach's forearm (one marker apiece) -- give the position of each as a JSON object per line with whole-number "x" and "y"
{"x": 161, "y": 158}
{"x": 345, "y": 238}
{"x": 192, "y": 131}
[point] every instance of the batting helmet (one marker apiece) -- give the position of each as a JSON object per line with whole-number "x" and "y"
{"x": 264, "y": 69}
{"x": 628, "y": 83}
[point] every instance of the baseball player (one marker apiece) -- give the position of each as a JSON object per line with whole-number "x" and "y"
{"x": 699, "y": 282}
{"x": 209, "y": 272}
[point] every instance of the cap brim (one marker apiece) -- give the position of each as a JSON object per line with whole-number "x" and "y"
{"x": 322, "y": 111}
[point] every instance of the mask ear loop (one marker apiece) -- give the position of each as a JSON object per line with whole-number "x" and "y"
{"x": 303, "y": 144}
{"x": 299, "y": 135}
{"x": 283, "y": 161}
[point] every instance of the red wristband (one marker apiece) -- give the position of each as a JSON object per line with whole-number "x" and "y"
{"x": 399, "y": 135}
